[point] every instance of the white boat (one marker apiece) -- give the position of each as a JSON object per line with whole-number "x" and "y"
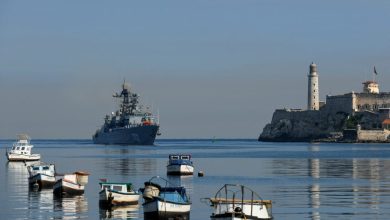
{"x": 236, "y": 202}
{"x": 180, "y": 164}
{"x": 112, "y": 194}
{"x": 41, "y": 175}
{"x": 21, "y": 150}
{"x": 165, "y": 202}
{"x": 71, "y": 184}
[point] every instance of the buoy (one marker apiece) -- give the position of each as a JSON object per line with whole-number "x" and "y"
{"x": 200, "y": 173}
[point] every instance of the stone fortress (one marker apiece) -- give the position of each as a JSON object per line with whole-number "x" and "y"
{"x": 351, "y": 117}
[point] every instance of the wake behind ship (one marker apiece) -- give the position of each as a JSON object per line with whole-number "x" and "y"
{"x": 130, "y": 125}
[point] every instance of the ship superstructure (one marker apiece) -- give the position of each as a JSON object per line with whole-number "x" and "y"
{"x": 132, "y": 124}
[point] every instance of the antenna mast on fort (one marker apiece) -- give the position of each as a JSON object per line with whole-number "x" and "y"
{"x": 374, "y": 73}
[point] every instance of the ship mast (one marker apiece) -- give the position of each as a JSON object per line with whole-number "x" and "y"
{"x": 129, "y": 100}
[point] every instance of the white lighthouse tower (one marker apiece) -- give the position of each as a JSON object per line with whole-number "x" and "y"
{"x": 313, "y": 99}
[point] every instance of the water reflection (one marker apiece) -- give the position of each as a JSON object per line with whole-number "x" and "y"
{"x": 17, "y": 171}
{"x": 17, "y": 178}
{"x": 70, "y": 207}
{"x": 185, "y": 181}
{"x": 120, "y": 212}
{"x": 40, "y": 203}
{"x": 321, "y": 181}
{"x": 166, "y": 216}
{"x": 119, "y": 161}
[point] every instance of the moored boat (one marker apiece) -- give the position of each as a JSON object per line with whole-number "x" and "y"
{"x": 21, "y": 150}
{"x": 165, "y": 202}
{"x": 236, "y": 202}
{"x": 41, "y": 175}
{"x": 180, "y": 164}
{"x": 71, "y": 184}
{"x": 114, "y": 193}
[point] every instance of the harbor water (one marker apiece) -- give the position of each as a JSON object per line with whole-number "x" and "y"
{"x": 304, "y": 180}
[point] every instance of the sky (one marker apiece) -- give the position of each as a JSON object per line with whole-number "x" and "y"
{"x": 211, "y": 68}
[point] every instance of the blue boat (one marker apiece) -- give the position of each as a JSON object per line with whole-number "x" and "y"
{"x": 165, "y": 202}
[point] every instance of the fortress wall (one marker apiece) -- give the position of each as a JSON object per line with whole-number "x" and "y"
{"x": 373, "y": 135}
{"x": 340, "y": 103}
{"x": 371, "y": 102}
{"x": 296, "y": 115}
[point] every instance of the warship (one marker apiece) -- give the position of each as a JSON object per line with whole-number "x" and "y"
{"x": 130, "y": 125}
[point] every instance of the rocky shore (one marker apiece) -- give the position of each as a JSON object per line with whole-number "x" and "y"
{"x": 302, "y": 126}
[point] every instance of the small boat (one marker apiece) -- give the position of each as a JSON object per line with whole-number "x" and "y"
{"x": 41, "y": 175}
{"x": 235, "y": 202}
{"x": 71, "y": 184}
{"x": 113, "y": 194}
{"x": 21, "y": 150}
{"x": 165, "y": 202}
{"x": 180, "y": 164}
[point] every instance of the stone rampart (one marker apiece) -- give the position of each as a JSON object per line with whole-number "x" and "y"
{"x": 372, "y": 102}
{"x": 340, "y": 103}
{"x": 295, "y": 114}
{"x": 299, "y": 125}
{"x": 373, "y": 135}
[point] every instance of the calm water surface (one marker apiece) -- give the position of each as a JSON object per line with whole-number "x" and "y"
{"x": 305, "y": 181}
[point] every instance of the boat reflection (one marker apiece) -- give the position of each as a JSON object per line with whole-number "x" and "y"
{"x": 41, "y": 198}
{"x": 75, "y": 206}
{"x": 40, "y": 203}
{"x": 184, "y": 181}
{"x": 17, "y": 176}
{"x": 19, "y": 168}
{"x": 120, "y": 212}
{"x": 183, "y": 216}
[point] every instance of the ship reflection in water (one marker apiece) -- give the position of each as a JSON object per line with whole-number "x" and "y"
{"x": 119, "y": 161}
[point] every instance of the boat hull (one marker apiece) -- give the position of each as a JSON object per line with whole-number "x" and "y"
{"x": 43, "y": 181}
{"x": 158, "y": 207}
{"x": 225, "y": 210}
{"x": 22, "y": 157}
{"x": 235, "y": 216}
{"x": 109, "y": 198}
{"x": 141, "y": 135}
{"x": 180, "y": 169}
{"x": 62, "y": 187}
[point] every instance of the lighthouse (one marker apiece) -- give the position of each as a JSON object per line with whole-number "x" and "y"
{"x": 313, "y": 99}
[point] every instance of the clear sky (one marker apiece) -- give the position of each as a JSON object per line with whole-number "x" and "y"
{"x": 212, "y": 67}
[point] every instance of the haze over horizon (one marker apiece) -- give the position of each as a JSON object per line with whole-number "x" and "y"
{"x": 212, "y": 68}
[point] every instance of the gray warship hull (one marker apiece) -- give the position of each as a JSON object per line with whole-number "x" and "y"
{"x": 140, "y": 135}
